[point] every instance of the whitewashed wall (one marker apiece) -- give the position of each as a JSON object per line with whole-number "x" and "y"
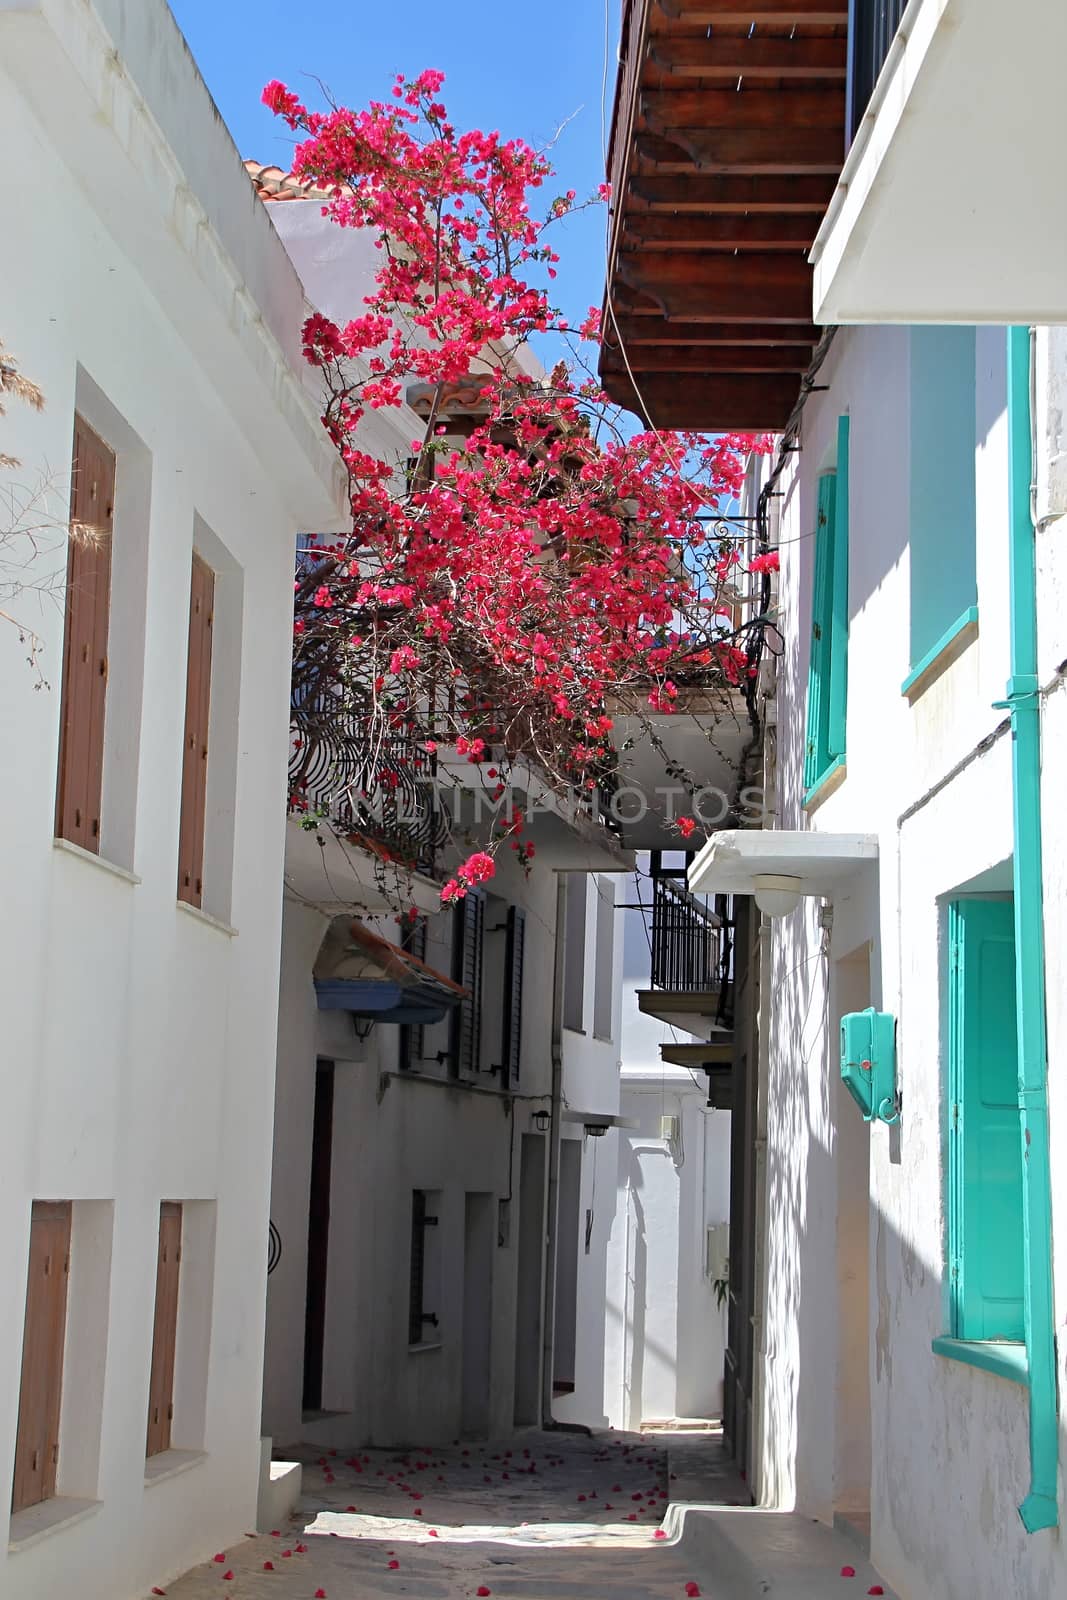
{"x": 664, "y": 1333}
{"x": 139, "y": 1035}
{"x": 392, "y": 1135}
{"x": 949, "y": 1457}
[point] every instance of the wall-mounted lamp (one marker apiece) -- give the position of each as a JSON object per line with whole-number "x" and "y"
{"x": 777, "y": 895}
{"x": 542, "y": 1120}
{"x": 595, "y": 1130}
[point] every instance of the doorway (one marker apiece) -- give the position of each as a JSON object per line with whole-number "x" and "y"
{"x": 318, "y": 1236}
{"x": 478, "y": 1245}
{"x": 530, "y": 1275}
{"x": 852, "y": 1411}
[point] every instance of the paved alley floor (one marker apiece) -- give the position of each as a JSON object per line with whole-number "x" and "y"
{"x": 549, "y": 1516}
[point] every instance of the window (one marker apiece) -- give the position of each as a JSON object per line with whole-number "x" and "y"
{"x": 574, "y": 952}
{"x": 425, "y": 1284}
{"x": 465, "y": 1032}
{"x": 197, "y": 717}
{"x": 944, "y": 593}
{"x": 824, "y": 750}
{"x": 985, "y": 1171}
{"x": 411, "y": 1035}
{"x": 604, "y": 963}
{"x": 85, "y": 644}
{"x": 164, "y": 1329}
{"x": 43, "y": 1343}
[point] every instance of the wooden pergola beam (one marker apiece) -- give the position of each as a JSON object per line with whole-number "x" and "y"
{"x": 716, "y": 358}
{"x": 753, "y": 57}
{"x": 703, "y": 194}
{"x": 743, "y": 150}
{"x": 746, "y": 401}
{"x": 779, "y": 12}
{"x": 648, "y": 230}
{"x": 665, "y": 109}
{"x": 705, "y": 286}
{"x": 637, "y": 332}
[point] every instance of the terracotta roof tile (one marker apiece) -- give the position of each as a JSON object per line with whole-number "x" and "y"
{"x": 271, "y": 184}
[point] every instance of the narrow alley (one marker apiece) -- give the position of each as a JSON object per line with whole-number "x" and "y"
{"x": 542, "y": 1517}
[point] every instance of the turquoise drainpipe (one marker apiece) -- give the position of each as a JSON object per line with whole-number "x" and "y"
{"x": 1039, "y": 1509}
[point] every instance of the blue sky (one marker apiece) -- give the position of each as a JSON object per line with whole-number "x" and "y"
{"x": 521, "y": 69}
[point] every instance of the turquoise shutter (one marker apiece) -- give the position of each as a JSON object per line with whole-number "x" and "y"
{"x": 838, "y": 644}
{"x": 815, "y": 753}
{"x": 985, "y": 1149}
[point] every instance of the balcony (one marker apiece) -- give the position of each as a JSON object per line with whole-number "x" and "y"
{"x": 365, "y": 824}
{"x": 727, "y": 141}
{"x": 691, "y": 959}
{"x": 948, "y": 206}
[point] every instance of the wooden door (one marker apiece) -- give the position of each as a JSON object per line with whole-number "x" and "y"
{"x": 165, "y": 1330}
{"x": 44, "y": 1336}
{"x": 197, "y": 719}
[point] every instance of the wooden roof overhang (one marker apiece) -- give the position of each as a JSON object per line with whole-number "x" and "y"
{"x": 728, "y": 138}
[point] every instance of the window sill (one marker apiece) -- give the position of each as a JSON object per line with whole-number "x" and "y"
{"x": 951, "y": 645}
{"x": 100, "y": 862}
{"x": 39, "y": 1522}
{"x": 1003, "y": 1359}
{"x": 421, "y": 1349}
{"x": 826, "y": 785}
{"x": 205, "y": 916}
{"x": 169, "y": 1463}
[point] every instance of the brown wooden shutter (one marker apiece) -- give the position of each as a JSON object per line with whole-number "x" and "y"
{"x": 88, "y": 601}
{"x": 165, "y": 1331}
{"x": 197, "y": 715}
{"x": 43, "y": 1338}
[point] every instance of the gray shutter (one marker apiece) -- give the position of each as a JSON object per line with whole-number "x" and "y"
{"x": 511, "y": 1043}
{"x": 466, "y": 1033}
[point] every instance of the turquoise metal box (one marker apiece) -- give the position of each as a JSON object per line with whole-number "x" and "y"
{"x": 869, "y": 1063}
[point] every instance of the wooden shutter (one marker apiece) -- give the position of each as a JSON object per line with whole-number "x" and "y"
{"x": 466, "y": 1032}
{"x": 85, "y": 659}
{"x": 985, "y": 1146}
{"x": 43, "y": 1338}
{"x": 511, "y": 1044}
{"x": 197, "y": 716}
{"x": 165, "y": 1331}
{"x": 837, "y": 691}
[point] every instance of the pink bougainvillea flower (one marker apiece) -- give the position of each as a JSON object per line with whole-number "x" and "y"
{"x": 227, "y": 1577}
{"x": 393, "y": 1565}
{"x": 220, "y": 1558}
{"x": 692, "y": 1590}
{"x": 767, "y": 562}
{"x": 482, "y": 1591}
{"x": 159, "y": 1591}
{"x": 659, "y": 1534}
{"x": 876, "y": 1588}
{"x": 848, "y": 1572}
{"x": 320, "y": 1594}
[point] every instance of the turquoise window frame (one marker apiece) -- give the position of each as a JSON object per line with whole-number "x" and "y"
{"x": 942, "y": 537}
{"x": 984, "y": 1181}
{"x": 827, "y": 710}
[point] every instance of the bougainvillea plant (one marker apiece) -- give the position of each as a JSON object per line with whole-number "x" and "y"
{"x": 530, "y": 575}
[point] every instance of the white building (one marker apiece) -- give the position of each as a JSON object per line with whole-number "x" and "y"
{"x": 148, "y": 296}
{"x": 908, "y": 1367}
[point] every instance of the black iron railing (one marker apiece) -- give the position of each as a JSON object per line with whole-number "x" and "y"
{"x": 871, "y": 26}
{"x": 382, "y": 792}
{"x": 686, "y": 940}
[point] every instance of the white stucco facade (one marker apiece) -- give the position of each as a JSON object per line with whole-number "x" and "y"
{"x": 663, "y": 1325}
{"x": 148, "y": 294}
{"x": 857, "y": 1411}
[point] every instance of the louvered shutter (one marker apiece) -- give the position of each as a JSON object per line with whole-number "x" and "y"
{"x": 418, "y": 1260}
{"x": 511, "y": 1044}
{"x": 985, "y": 1147}
{"x": 197, "y": 716}
{"x": 466, "y": 1029}
{"x": 85, "y": 655}
{"x": 815, "y": 749}
{"x": 165, "y": 1329}
{"x": 43, "y": 1340}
